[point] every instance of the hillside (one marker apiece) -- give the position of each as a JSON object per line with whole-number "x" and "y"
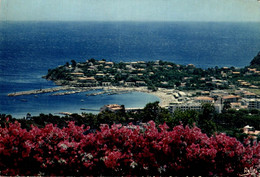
{"x": 256, "y": 60}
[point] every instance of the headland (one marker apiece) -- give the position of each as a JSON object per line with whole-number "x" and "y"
{"x": 171, "y": 83}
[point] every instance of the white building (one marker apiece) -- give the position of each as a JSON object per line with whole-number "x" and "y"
{"x": 184, "y": 107}
{"x": 253, "y": 103}
{"x": 204, "y": 99}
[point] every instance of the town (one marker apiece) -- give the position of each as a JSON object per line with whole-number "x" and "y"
{"x": 182, "y": 87}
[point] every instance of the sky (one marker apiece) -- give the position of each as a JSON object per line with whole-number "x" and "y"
{"x": 129, "y": 10}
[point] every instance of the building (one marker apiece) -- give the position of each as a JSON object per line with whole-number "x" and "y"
{"x": 204, "y": 93}
{"x": 231, "y": 98}
{"x": 226, "y": 68}
{"x": 87, "y": 79}
{"x": 218, "y": 107}
{"x": 236, "y": 73}
{"x": 251, "y": 131}
{"x": 218, "y": 93}
{"x": 101, "y": 61}
{"x": 134, "y": 63}
{"x": 111, "y": 107}
{"x": 110, "y": 63}
{"x": 100, "y": 75}
{"x": 105, "y": 84}
{"x": 253, "y": 103}
{"x": 140, "y": 83}
{"x": 238, "y": 106}
{"x": 204, "y": 99}
{"x": 184, "y": 107}
{"x": 181, "y": 94}
{"x": 249, "y": 95}
{"x": 133, "y": 110}
{"x": 77, "y": 74}
{"x": 129, "y": 84}
{"x": 191, "y": 65}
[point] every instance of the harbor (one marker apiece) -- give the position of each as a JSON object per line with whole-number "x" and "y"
{"x": 109, "y": 90}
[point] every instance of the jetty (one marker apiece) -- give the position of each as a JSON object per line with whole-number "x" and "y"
{"x": 38, "y": 91}
{"x": 66, "y": 93}
{"x": 74, "y": 90}
{"x": 96, "y": 93}
{"x": 88, "y": 109}
{"x": 109, "y": 92}
{"x": 67, "y": 90}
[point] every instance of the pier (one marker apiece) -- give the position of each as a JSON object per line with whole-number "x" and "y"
{"x": 88, "y": 109}
{"x": 72, "y": 89}
{"x": 47, "y": 90}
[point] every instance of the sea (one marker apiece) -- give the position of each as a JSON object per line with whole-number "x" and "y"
{"x": 29, "y": 49}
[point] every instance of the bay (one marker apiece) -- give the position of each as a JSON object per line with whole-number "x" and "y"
{"x": 29, "y": 49}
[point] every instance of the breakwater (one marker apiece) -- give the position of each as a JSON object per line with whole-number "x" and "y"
{"x": 68, "y": 90}
{"x": 74, "y": 90}
{"x": 38, "y": 91}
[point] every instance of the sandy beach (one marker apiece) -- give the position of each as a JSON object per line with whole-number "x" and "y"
{"x": 165, "y": 99}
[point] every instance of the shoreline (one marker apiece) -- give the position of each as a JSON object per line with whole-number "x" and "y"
{"x": 163, "y": 97}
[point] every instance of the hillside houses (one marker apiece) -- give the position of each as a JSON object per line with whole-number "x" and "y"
{"x": 211, "y": 84}
{"x": 154, "y": 75}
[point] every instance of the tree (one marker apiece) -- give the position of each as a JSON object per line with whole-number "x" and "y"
{"x": 92, "y": 60}
{"x": 206, "y": 119}
{"x": 256, "y": 60}
{"x": 73, "y": 63}
{"x": 177, "y": 83}
{"x": 227, "y": 105}
{"x": 153, "y": 111}
{"x": 188, "y": 117}
{"x": 122, "y": 112}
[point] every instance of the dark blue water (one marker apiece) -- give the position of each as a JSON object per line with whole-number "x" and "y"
{"x": 29, "y": 49}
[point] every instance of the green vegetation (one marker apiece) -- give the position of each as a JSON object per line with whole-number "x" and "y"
{"x": 154, "y": 74}
{"x": 256, "y": 91}
{"x": 230, "y": 121}
{"x": 256, "y": 60}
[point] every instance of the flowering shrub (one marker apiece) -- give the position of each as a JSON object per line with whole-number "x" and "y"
{"x": 122, "y": 150}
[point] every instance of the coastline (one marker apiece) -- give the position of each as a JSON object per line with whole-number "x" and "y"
{"x": 163, "y": 97}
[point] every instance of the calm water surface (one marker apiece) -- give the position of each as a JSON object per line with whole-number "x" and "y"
{"x": 29, "y": 49}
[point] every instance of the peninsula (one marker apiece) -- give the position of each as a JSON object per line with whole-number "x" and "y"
{"x": 177, "y": 86}
{"x": 153, "y": 75}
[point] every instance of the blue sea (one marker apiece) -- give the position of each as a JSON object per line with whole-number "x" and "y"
{"x": 29, "y": 49}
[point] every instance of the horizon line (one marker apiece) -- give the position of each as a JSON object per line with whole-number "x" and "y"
{"x": 142, "y": 21}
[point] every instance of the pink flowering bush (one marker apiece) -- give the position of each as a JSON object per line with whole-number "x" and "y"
{"x": 122, "y": 150}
